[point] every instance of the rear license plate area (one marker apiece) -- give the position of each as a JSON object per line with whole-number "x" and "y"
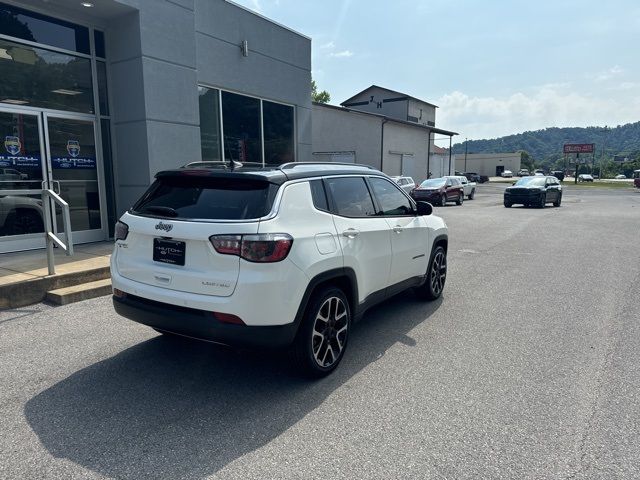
{"x": 168, "y": 251}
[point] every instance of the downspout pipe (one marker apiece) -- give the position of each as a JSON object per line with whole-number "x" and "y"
{"x": 429, "y": 154}
{"x": 384, "y": 120}
{"x": 450, "y": 154}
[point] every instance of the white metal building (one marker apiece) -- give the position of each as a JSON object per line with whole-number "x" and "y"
{"x": 383, "y": 128}
{"x": 489, "y": 164}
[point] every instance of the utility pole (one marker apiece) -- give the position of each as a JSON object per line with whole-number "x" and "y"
{"x": 466, "y": 141}
{"x": 604, "y": 143}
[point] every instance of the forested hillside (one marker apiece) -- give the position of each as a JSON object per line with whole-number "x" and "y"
{"x": 547, "y": 144}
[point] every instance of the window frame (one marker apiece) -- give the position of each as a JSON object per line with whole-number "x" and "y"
{"x": 261, "y": 100}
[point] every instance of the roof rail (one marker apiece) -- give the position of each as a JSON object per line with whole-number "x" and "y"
{"x": 339, "y": 164}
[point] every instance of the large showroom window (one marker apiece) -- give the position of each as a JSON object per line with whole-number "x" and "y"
{"x": 43, "y": 78}
{"x": 278, "y": 133}
{"x": 209, "y": 99}
{"x": 241, "y": 128}
{"x": 245, "y": 129}
{"x": 31, "y": 26}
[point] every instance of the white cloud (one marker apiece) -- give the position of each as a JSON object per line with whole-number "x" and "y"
{"x": 257, "y": 6}
{"x": 612, "y": 72}
{"x": 328, "y": 45}
{"x": 342, "y": 54}
{"x": 491, "y": 117}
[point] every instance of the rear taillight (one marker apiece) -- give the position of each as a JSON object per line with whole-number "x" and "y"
{"x": 227, "y": 244}
{"x": 121, "y": 231}
{"x": 263, "y": 247}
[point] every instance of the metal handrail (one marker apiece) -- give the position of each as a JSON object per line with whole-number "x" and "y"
{"x": 50, "y": 237}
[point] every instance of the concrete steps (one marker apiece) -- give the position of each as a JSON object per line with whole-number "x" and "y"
{"x": 77, "y": 293}
{"x": 28, "y": 292}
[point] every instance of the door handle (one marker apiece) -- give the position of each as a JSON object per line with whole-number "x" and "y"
{"x": 350, "y": 233}
{"x": 398, "y": 229}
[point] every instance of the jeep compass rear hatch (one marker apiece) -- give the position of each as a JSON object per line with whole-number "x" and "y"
{"x": 173, "y": 228}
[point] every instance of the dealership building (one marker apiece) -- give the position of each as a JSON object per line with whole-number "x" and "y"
{"x": 97, "y": 96}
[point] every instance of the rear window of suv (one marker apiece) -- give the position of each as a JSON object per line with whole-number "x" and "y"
{"x": 207, "y": 198}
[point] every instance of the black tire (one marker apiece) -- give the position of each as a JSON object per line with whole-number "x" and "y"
{"x": 317, "y": 337}
{"x": 543, "y": 200}
{"x": 436, "y": 275}
{"x": 460, "y": 199}
{"x": 472, "y": 195}
{"x": 507, "y": 204}
{"x": 558, "y": 201}
{"x": 443, "y": 199}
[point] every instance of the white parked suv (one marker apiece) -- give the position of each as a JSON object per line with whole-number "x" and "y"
{"x": 280, "y": 257}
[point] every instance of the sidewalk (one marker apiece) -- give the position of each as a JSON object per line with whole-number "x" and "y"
{"x": 24, "y": 277}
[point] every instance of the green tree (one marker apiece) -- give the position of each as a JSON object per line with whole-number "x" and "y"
{"x": 319, "y": 97}
{"x": 526, "y": 161}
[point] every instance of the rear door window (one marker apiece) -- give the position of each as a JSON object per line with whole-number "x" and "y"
{"x": 351, "y": 197}
{"x": 207, "y": 198}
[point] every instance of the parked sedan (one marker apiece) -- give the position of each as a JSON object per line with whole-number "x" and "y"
{"x": 536, "y": 190}
{"x": 507, "y": 174}
{"x": 439, "y": 191}
{"x": 585, "y": 177}
{"x": 620, "y": 176}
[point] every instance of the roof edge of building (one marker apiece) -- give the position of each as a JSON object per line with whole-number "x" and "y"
{"x": 388, "y": 119}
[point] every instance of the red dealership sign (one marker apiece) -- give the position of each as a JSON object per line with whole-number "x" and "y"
{"x": 579, "y": 148}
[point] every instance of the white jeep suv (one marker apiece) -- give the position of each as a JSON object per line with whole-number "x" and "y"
{"x": 286, "y": 256}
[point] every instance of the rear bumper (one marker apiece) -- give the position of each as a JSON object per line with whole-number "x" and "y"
{"x": 201, "y": 325}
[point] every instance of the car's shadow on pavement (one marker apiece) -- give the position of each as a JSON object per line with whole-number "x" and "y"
{"x": 172, "y": 408}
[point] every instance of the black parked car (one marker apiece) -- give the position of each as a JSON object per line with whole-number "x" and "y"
{"x": 474, "y": 177}
{"x": 559, "y": 174}
{"x": 537, "y": 191}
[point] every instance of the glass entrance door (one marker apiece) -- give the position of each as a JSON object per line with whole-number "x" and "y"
{"x": 73, "y": 173}
{"x": 22, "y": 169}
{"x": 55, "y": 151}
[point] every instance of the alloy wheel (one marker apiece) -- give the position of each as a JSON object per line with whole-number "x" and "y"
{"x": 329, "y": 332}
{"x": 438, "y": 273}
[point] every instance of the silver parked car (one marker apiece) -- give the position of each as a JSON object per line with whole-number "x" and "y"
{"x": 405, "y": 183}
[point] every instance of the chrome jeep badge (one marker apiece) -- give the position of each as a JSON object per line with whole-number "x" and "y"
{"x": 164, "y": 226}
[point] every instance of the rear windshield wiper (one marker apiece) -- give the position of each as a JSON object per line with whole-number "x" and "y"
{"x": 159, "y": 209}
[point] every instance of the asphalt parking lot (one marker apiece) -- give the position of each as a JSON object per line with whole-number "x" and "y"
{"x": 528, "y": 367}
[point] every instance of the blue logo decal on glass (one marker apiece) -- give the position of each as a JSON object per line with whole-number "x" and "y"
{"x": 12, "y": 145}
{"x": 73, "y": 147}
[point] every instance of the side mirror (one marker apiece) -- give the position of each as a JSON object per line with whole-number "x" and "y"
{"x": 424, "y": 208}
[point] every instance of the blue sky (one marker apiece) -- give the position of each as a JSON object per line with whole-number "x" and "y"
{"x": 493, "y": 67}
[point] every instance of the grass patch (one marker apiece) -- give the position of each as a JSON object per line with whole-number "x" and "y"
{"x": 597, "y": 184}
